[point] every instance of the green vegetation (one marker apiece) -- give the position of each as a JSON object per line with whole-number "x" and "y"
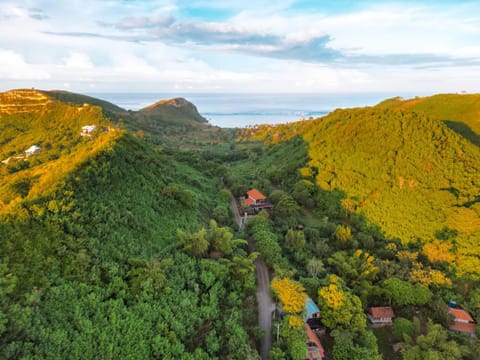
{"x": 91, "y": 265}
{"x": 387, "y": 200}
{"x": 113, "y": 248}
{"x": 457, "y": 108}
{"x": 414, "y": 193}
{"x": 175, "y": 123}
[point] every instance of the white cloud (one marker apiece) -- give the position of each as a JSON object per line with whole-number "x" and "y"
{"x": 407, "y": 46}
{"x": 77, "y": 60}
{"x": 13, "y": 66}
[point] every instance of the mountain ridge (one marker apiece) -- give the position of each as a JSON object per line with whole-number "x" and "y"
{"x": 165, "y": 122}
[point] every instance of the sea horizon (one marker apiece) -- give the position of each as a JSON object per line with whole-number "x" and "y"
{"x": 230, "y": 110}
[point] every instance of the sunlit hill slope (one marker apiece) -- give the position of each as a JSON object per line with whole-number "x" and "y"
{"x": 406, "y": 171}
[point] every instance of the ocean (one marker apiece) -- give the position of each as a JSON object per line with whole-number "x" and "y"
{"x": 240, "y": 110}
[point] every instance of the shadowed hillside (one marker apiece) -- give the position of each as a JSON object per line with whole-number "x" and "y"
{"x": 458, "y": 108}
{"x": 79, "y": 99}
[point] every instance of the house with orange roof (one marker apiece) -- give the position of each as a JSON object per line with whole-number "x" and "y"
{"x": 256, "y": 200}
{"x": 315, "y": 349}
{"x": 461, "y": 321}
{"x": 381, "y": 316}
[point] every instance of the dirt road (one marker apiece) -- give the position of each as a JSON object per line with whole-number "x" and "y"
{"x": 265, "y": 303}
{"x": 236, "y": 214}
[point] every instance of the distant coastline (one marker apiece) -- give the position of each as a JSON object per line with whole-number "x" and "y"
{"x": 241, "y": 110}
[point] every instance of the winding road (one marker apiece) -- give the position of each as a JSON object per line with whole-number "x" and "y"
{"x": 265, "y": 305}
{"x": 264, "y": 301}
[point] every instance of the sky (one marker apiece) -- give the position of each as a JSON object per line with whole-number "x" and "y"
{"x": 287, "y": 46}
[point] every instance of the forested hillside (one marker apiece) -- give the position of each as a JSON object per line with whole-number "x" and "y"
{"x": 458, "y": 109}
{"x": 373, "y": 207}
{"x": 114, "y": 247}
{"x": 174, "y": 123}
{"x": 407, "y": 173}
{"x": 96, "y": 258}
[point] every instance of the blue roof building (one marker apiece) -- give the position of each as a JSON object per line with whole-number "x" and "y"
{"x": 312, "y": 310}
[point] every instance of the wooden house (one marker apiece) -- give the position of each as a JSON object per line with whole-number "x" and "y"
{"x": 381, "y": 316}
{"x": 461, "y": 322}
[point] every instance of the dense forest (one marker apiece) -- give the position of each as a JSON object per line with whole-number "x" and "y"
{"x": 120, "y": 243}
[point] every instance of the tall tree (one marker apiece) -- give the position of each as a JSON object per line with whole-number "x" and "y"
{"x": 433, "y": 345}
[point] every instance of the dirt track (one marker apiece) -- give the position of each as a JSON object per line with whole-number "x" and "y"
{"x": 265, "y": 303}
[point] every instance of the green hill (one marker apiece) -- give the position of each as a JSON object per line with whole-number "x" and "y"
{"x": 405, "y": 172}
{"x": 182, "y": 110}
{"x": 91, "y": 265}
{"x": 395, "y": 211}
{"x": 460, "y": 112}
{"x": 79, "y": 99}
{"x": 174, "y": 122}
{"x": 105, "y": 251}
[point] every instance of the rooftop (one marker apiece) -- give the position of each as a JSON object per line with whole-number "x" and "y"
{"x": 248, "y": 201}
{"x": 312, "y": 338}
{"x": 460, "y": 314}
{"x": 382, "y": 312}
{"x": 311, "y": 308}
{"x": 33, "y": 148}
{"x": 255, "y": 194}
{"x": 468, "y": 328}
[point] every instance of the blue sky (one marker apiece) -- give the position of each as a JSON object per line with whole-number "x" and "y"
{"x": 341, "y": 46}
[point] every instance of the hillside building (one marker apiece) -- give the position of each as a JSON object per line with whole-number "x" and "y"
{"x": 88, "y": 130}
{"x": 256, "y": 200}
{"x": 461, "y": 322}
{"x": 381, "y": 316}
{"x": 32, "y": 150}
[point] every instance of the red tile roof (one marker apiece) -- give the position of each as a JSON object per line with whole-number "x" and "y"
{"x": 255, "y": 194}
{"x": 382, "y": 312}
{"x": 248, "y": 201}
{"x": 314, "y": 339}
{"x": 460, "y": 314}
{"x": 468, "y": 328}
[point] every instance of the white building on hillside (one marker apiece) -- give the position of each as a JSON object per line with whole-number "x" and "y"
{"x": 32, "y": 150}
{"x": 88, "y": 130}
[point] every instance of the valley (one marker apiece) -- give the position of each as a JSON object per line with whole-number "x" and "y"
{"x": 125, "y": 244}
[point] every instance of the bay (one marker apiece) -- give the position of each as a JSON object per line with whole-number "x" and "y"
{"x": 230, "y": 110}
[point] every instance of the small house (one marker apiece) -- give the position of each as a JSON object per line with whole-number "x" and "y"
{"x": 462, "y": 322}
{"x": 381, "y": 316}
{"x": 88, "y": 130}
{"x": 256, "y": 200}
{"x": 32, "y": 150}
{"x": 315, "y": 349}
{"x": 255, "y": 197}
